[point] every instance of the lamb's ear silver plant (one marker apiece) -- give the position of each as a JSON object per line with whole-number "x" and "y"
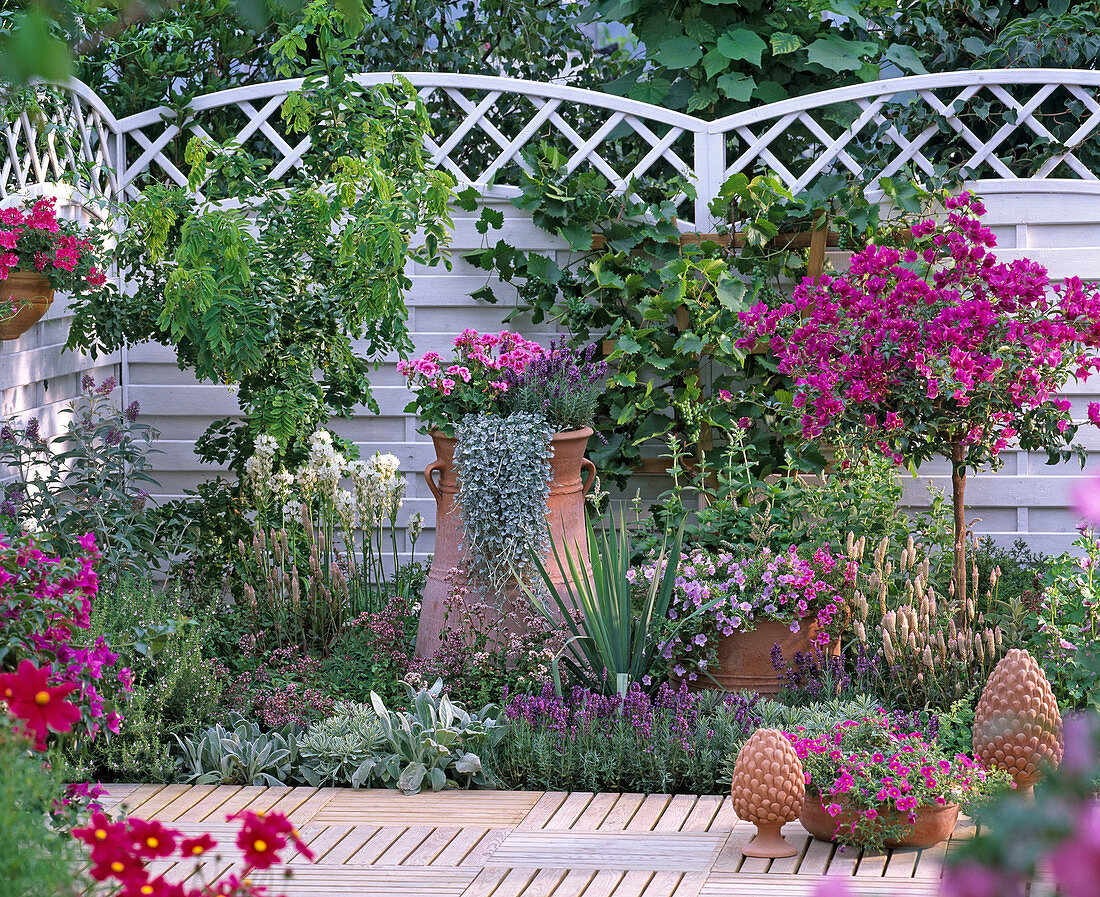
{"x": 503, "y": 466}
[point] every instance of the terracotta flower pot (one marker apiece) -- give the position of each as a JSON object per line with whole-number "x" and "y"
{"x": 934, "y": 823}
{"x": 32, "y": 295}
{"x": 571, "y": 476}
{"x": 745, "y": 657}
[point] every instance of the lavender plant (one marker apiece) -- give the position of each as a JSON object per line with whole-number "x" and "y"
{"x": 94, "y": 477}
{"x": 560, "y": 385}
{"x": 675, "y": 741}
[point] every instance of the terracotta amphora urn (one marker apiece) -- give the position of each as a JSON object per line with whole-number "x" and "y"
{"x": 571, "y": 476}
{"x": 1017, "y": 726}
{"x": 768, "y": 790}
{"x": 30, "y": 294}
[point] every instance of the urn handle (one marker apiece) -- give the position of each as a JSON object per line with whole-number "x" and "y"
{"x": 591, "y": 478}
{"x": 429, "y": 475}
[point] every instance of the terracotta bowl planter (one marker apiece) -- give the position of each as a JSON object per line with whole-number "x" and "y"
{"x": 32, "y": 295}
{"x": 934, "y": 823}
{"x": 745, "y": 658}
{"x": 571, "y": 476}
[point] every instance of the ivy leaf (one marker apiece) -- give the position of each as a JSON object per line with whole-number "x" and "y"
{"x": 484, "y": 294}
{"x": 741, "y": 43}
{"x": 689, "y": 343}
{"x": 905, "y": 58}
{"x": 784, "y": 42}
{"x": 837, "y": 54}
{"x": 736, "y": 86}
{"x": 679, "y": 53}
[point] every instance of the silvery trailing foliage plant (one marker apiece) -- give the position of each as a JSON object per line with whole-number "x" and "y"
{"x": 91, "y": 478}
{"x": 334, "y": 750}
{"x": 240, "y": 753}
{"x": 503, "y": 466}
{"x": 435, "y": 744}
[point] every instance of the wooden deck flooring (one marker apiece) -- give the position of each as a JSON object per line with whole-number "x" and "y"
{"x": 380, "y": 843}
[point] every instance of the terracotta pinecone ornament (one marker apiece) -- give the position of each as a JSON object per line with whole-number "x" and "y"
{"x": 768, "y": 790}
{"x": 1017, "y": 726}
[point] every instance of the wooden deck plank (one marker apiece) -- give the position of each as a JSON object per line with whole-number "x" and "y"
{"x": 384, "y": 807}
{"x": 246, "y": 797}
{"x": 351, "y": 842}
{"x": 173, "y": 810}
{"x": 486, "y": 847}
{"x": 604, "y": 883}
{"x": 872, "y": 863}
{"x": 432, "y": 846}
{"x": 291, "y": 800}
{"x": 845, "y": 860}
{"x": 545, "y": 807}
{"x": 151, "y": 808}
{"x": 734, "y": 885}
{"x": 327, "y": 838}
{"x": 209, "y": 805}
{"x": 376, "y": 845}
{"x": 902, "y": 863}
{"x": 545, "y": 883}
{"x": 755, "y": 865}
{"x": 725, "y": 818}
{"x": 596, "y": 812}
{"x": 648, "y": 813}
{"x": 607, "y": 850}
{"x": 623, "y": 811}
{"x": 816, "y": 859}
{"x": 730, "y": 857}
{"x": 513, "y": 883}
{"x": 690, "y": 884}
{"x": 569, "y": 812}
{"x": 486, "y": 882}
{"x": 704, "y": 813}
{"x": 399, "y": 851}
{"x": 137, "y": 798}
{"x": 375, "y": 881}
{"x": 460, "y": 847}
{"x": 800, "y": 839}
{"x": 314, "y": 804}
{"x": 676, "y": 813}
{"x": 633, "y": 884}
{"x": 930, "y": 862}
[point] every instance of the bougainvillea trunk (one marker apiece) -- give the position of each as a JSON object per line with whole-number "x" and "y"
{"x": 958, "y": 505}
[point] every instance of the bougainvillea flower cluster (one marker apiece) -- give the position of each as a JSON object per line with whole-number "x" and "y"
{"x": 34, "y": 239}
{"x": 120, "y": 852}
{"x": 471, "y": 381}
{"x": 933, "y": 343}
{"x": 873, "y": 775}
{"x": 716, "y": 594}
{"x": 45, "y": 604}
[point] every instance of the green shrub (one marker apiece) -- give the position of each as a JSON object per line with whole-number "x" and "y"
{"x": 176, "y": 688}
{"x": 34, "y": 858}
{"x": 334, "y": 750}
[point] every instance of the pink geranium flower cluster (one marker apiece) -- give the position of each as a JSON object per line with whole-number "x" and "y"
{"x": 34, "y": 239}
{"x": 471, "y": 381}
{"x": 716, "y": 594}
{"x": 932, "y": 344}
{"x": 45, "y": 603}
{"x": 873, "y": 777}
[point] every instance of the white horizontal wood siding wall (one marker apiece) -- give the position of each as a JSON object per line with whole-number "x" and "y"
{"x": 1049, "y": 217}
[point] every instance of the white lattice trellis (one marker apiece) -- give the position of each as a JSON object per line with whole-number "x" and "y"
{"x": 82, "y": 143}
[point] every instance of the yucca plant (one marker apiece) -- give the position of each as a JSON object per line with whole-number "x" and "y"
{"x": 610, "y": 643}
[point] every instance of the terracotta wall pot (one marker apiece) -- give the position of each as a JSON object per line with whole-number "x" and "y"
{"x": 571, "y": 475}
{"x": 32, "y": 295}
{"x": 745, "y": 661}
{"x": 934, "y": 823}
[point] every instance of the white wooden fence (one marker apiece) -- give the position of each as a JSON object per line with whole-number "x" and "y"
{"x": 1045, "y": 205}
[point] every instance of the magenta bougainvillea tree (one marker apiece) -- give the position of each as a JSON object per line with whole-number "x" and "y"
{"x": 929, "y": 346}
